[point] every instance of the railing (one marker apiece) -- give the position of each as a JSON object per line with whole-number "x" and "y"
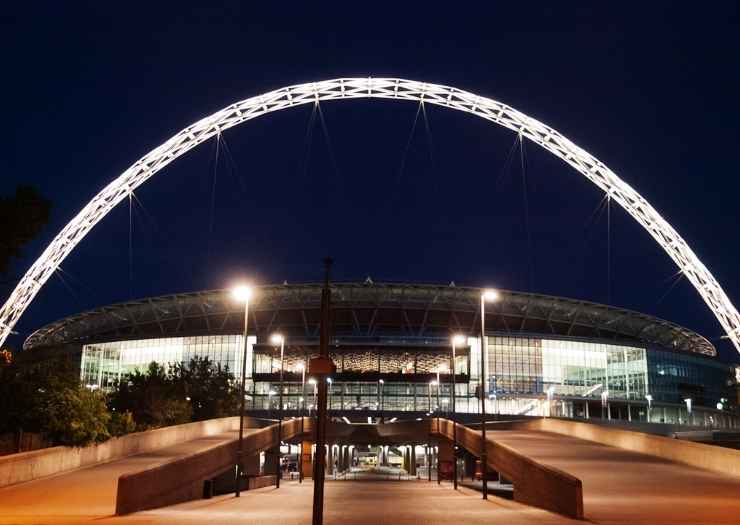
{"x": 534, "y": 483}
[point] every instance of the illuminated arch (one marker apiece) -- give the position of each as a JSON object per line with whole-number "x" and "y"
{"x": 392, "y": 88}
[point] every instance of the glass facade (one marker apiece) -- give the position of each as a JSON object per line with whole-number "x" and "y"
{"x": 524, "y": 376}
{"x": 103, "y": 364}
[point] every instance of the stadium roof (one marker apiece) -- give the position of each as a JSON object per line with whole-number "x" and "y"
{"x": 366, "y": 310}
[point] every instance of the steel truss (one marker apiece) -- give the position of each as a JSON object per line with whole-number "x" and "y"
{"x": 387, "y": 88}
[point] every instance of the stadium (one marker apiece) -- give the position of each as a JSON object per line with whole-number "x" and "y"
{"x": 391, "y": 345}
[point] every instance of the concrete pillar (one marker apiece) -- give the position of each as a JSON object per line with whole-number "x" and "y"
{"x": 413, "y": 460}
{"x": 307, "y": 459}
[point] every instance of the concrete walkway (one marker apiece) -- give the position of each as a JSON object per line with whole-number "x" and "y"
{"x": 354, "y": 502}
{"x": 87, "y": 493}
{"x": 620, "y": 487}
{"x": 623, "y": 487}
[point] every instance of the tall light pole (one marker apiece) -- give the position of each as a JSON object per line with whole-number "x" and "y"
{"x": 439, "y": 386}
{"x": 380, "y": 397}
{"x": 242, "y": 293}
{"x": 649, "y": 398}
{"x": 278, "y": 339}
{"x": 302, "y": 368}
{"x": 312, "y": 381}
{"x": 487, "y": 295}
{"x": 550, "y": 394}
{"x": 456, "y": 340}
{"x": 329, "y": 383}
{"x": 429, "y": 395}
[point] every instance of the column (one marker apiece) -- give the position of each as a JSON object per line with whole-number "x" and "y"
{"x": 307, "y": 459}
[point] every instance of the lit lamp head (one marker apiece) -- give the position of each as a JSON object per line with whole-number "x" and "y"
{"x": 490, "y": 295}
{"x": 242, "y": 293}
{"x": 381, "y": 381}
{"x": 277, "y": 339}
{"x": 300, "y": 367}
{"x": 458, "y": 339}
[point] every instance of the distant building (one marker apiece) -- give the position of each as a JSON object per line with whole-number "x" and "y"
{"x": 391, "y": 343}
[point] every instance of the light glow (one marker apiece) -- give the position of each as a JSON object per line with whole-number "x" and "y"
{"x": 242, "y": 293}
{"x": 490, "y": 295}
{"x": 379, "y": 88}
{"x": 458, "y": 340}
{"x": 277, "y": 339}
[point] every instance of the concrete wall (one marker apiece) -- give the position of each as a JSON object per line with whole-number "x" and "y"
{"x": 534, "y": 483}
{"x": 27, "y": 466}
{"x": 182, "y": 479}
{"x": 709, "y": 457}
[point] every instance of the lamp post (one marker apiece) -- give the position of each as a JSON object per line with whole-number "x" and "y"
{"x": 550, "y": 393}
{"x": 429, "y": 395}
{"x": 649, "y": 398}
{"x": 688, "y": 402}
{"x": 456, "y": 340}
{"x": 605, "y": 404}
{"x": 302, "y": 368}
{"x": 380, "y": 397}
{"x": 278, "y": 339}
{"x": 242, "y": 293}
{"x": 487, "y": 295}
{"x": 312, "y": 381}
{"x": 439, "y": 386}
{"x": 329, "y": 383}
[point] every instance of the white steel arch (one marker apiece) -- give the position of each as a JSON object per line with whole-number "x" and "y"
{"x": 389, "y": 88}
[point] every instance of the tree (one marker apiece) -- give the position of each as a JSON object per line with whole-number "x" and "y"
{"x": 209, "y": 387}
{"x": 152, "y": 397}
{"x": 48, "y": 398}
{"x": 75, "y": 416}
{"x": 21, "y": 219}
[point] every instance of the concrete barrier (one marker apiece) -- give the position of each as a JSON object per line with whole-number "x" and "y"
{"x": 27, "y": 466}
{"x": 182, "y": 479}
{"x": 534, "y": 483}
{"x": 709, "y": 457}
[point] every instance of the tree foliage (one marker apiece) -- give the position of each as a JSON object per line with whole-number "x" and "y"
{"x": 180, "y": 393}
{"x": 22, "y": 217}
{"x": 48, "y": 398}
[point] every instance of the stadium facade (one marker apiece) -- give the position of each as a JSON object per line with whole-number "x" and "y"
{"x": 391, "y": 347}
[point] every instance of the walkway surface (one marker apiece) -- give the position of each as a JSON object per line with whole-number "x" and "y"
{"x": 356, "y": 502}
{"x": 625, "y": 487}
{"x": 87, "y": 493}
{"x": 620, "y": 487}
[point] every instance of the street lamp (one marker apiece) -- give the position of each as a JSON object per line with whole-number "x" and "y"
{"x": 688, "y": 402}
{"x": 429, "y": 395}
{"x": 380, "y": 398}
{"x": 550, "y": 393}
{"x": 649, "y": 398}
{"x": 489, "y": 295}
{"x": 242, "y": 293}
{"x": 456, "y": 340}
{"x": 278, "y": 339}
{"x": 329, "y": 383}
{"x": 312, "y": 381}
{"x": 605, "y": 404}
{"x": 302, "y": 401}
{"x": 439, "y": 386}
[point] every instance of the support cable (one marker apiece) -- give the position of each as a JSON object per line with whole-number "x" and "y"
{"x": 505, "y": 172}
{"x": 609, "y": 249}
{"x": 329, "y": 146}
{"x": 211, "y": 220}
{"x": 233, "y": 168}
{"x": 131, "y": 244}
{"x": 308, "y": 140}
{"x": 676, "y": 278}
{"x": 399, "y": 175}
{"x": 525, "y": 190}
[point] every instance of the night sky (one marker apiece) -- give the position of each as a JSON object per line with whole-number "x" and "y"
{"x": 649, "y": 88}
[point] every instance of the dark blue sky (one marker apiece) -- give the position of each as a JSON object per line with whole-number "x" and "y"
{"x": 651, "y": 89}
